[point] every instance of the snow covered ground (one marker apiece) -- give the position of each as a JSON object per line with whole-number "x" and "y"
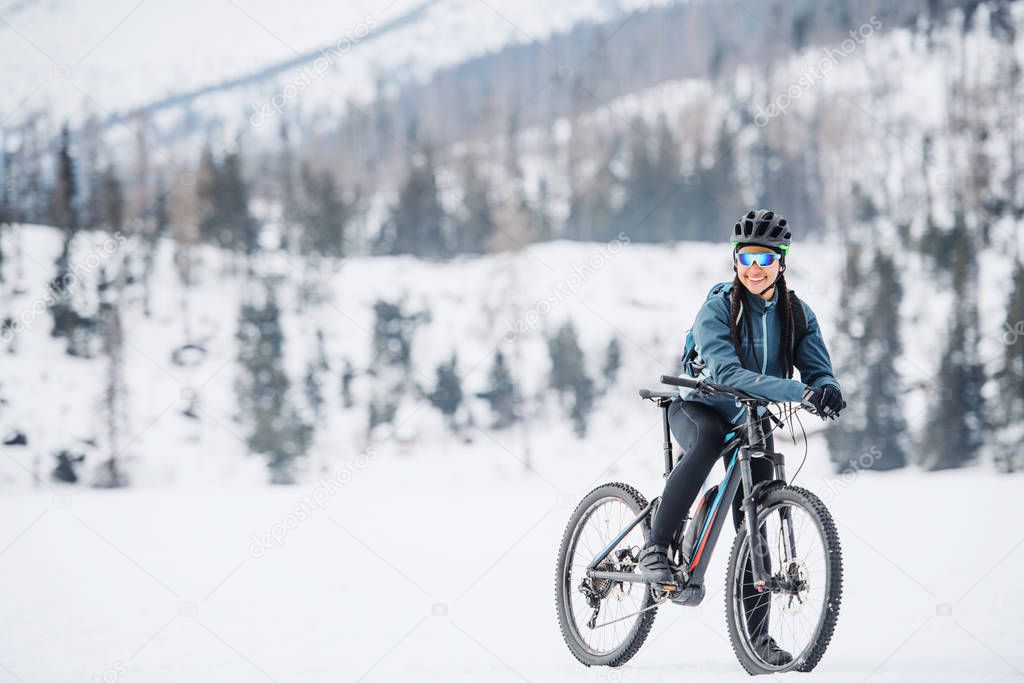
{"x": 439, "y": 567}
{"x": 428, "y": 558}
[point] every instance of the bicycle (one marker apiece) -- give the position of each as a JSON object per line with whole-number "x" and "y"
{"x": 605, "y": 610}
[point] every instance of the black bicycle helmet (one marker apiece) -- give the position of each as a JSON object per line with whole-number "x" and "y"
{"x": 763, "y": 227}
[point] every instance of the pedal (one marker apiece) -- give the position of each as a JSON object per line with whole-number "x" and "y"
{"x": 689, "y": 596}
{"x": 671, "y": 588}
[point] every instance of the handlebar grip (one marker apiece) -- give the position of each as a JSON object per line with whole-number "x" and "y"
{"x": 679, "y": 381}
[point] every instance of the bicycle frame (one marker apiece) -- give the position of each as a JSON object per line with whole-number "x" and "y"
{"x": 736, "y": 442}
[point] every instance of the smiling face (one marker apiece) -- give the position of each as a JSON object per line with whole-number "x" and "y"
{"x": 754, "y": 277}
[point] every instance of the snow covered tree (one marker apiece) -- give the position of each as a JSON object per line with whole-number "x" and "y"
{"x": 612, "y": 362}
{"x": 262, "y": 389}
{"x": 7, "y": 210}
{"x": 1010, "y": 454}
{"x": 956, "y": 422}
{"x": 63, "y": 201}
{"x": 115, "y": 393}
{"x": 391, "y": 367}
{"x": 313, "y": 380}
{"x": 291, "y": 215}
{"x": 151, "y": 241}
{"x": 871, "y": 434}
{"x": 500, "y": 393}
{"x": 110, "y": 202}
{"x": 416, "y": 223}
{"x": 324, "y": 216}
{"x": 569, "y": 377}
{"x": 584, "y": 395}
{"x": 447, "y": 393}
{"x": 476, "y": 226}
{"x": 348, "y": 374}
{"x": 224, "y": 217}
{"x": 643, "y": 189}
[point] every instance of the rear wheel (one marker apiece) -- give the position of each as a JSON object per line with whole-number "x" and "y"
{"x": 603, "y": 622}
{"x": 800, "y": 613}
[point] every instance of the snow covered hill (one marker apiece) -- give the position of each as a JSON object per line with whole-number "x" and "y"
{"x": 645, "y": 295}
{"x": 76, "y": 58}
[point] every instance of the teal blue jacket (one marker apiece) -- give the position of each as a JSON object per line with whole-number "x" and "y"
{"x": 759, "y": 374}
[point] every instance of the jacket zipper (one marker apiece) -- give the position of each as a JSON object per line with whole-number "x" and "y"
{"x": 764, "y": 341}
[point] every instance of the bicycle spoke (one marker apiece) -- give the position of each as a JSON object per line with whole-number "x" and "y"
{"x": 791, "y": 619}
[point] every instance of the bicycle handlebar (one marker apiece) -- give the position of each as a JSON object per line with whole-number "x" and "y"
{"x": 709, "y": 388}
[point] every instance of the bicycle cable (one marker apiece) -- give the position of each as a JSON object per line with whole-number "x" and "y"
{"x": 796, "y": 414}
{"x": 787, "y": 413}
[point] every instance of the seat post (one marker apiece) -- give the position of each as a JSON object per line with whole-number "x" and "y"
{"x": 667, "y": 445}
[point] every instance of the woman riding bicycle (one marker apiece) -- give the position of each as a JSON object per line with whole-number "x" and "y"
{"x": 749, "y": 335}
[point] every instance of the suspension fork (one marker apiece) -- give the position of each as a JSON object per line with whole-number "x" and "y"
{"x": 758, "y": 545}
{"x": 779, "y": 463}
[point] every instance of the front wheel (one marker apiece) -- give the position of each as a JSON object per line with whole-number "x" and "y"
{"x": 804, "y": 561}
{"x": 603, "y": 622}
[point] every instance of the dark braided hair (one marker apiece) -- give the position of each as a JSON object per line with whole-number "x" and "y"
{"x": 785, "y": 304}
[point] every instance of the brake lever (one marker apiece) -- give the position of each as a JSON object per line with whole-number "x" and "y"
{"x": 704, "y": 389}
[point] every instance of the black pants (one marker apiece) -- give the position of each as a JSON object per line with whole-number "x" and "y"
{"x": 700, "y": 431}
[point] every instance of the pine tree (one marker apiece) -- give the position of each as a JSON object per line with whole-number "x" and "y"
{"x": 639, "y": 214}
{"x": 1010, "y": 455}
{"x": 262, "y": 388}
{"x": 871, "y": 434}
{"x": 115, "y": 400}
{"x": 234, "y": 200}
{"x": 65, "y": 192}
{"x": 313, "y": 380}
{"x": 110, "y": 201}
{"x": 323, "y": 229}
{"x": 569, "y": 377}
{"x": 591, "y": 213}
{"x": 7, "y": 212}
{"x": 612, "y": 362}
{"x": 583, "y": 402}
{"x": 291, "y": 215}
{"x": 224, "y": 217}
{"x": 78, "y": 329}
{"x": 717, "y": 190}
{"x": 391, "y": 367}
{"x": 416, "y": 223}
{"x": 447, "y": 393}
{"x": 151, "y": 240}
{"x": 348, "y": 374}
{"x": 477, "y": 225}
{"x": 539, "y": 216}
{"x": 63, "y": 201}
{"x": 956, "y": 422}
{"x": 500, "y": 393}
{"x": 207, "y": 191}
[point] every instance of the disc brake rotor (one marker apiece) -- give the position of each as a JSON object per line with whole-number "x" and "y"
{"x": 795, "y": 597}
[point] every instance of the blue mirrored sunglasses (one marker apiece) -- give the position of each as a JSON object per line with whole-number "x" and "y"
{"x": 763, "y": 259}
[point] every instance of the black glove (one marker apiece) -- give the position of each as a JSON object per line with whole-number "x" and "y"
{"x": 826, "y": 401}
